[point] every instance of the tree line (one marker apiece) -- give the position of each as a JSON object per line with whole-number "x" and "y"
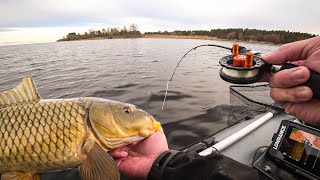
{"x": 107, "y": 33}
{"x": 273, "y": 36}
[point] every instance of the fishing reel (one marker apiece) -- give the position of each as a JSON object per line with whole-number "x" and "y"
{"x": 246, "y": 67}
{"x": 242, "y": 67}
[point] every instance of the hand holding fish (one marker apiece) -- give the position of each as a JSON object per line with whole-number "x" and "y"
{"x": 135, "y": 161}
{"x": 296, "y": 100}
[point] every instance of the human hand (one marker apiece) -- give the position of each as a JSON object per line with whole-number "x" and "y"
{"x": 135, "y": 161}
{"x": 296, "y": 100}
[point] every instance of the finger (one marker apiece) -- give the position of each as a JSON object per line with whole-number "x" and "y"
{"x": 118, "y": 153}
{"x": 290, "y": 77}
{"x": 299, "y": 63}
{"x": 306, "y": 111}
{"x": 296, "y": 94}
{"x": 313, "y": 61}
{"x": 287, "y": 52}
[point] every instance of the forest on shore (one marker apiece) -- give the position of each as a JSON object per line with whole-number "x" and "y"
{"x": 238, "y": 34}
{"x": 105, "y": 33}
{"x": 256, "y": 35}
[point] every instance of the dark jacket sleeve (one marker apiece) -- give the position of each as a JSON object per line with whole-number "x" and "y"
{"x": 192, "y": 166}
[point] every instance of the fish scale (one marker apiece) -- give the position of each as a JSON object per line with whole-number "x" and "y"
{"x": 42, "y": 136}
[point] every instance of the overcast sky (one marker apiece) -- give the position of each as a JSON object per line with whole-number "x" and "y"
{"x": 49, "y": 20}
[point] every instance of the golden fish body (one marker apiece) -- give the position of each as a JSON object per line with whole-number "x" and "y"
{"x": 43, "y": 136}
{"x": 47, "y": 135}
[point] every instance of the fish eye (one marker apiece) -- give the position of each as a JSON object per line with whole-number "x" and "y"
{"x": 128, "y": 109}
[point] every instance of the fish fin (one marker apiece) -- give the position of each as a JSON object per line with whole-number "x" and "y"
{"x": 25, "y": 93}
{"x": 99, "y": 165}
{"x": 20, "y": 176}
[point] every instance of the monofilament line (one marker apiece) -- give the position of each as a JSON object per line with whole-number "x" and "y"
{"x": 166, "y": 93}
{"x": 165, "y": 96}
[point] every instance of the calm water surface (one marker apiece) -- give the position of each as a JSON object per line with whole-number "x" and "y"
{"x": 134, "y": 71}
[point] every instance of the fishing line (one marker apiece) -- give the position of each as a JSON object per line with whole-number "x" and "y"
{"x": 213, "y": 45}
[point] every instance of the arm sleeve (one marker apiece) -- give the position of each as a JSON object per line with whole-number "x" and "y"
{"x": 192, "y": 166}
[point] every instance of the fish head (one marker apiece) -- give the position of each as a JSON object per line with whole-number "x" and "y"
{"x": 117, "y": 124}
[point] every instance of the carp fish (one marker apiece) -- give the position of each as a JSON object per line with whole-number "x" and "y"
{"x": 43, "y": 135}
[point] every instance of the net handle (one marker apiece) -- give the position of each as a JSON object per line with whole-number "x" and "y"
{"x": 220, "y": 146}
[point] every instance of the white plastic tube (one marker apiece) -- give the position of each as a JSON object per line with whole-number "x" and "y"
{"x": 220, "y": 146}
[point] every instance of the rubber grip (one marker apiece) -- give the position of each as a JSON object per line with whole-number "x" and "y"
{"x": 313, "y": 82}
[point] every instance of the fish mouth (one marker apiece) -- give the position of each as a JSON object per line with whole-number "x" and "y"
{"x": 151, "y": 128}
{"x": 118, "y": 142}
{"x": 114, "y": 143}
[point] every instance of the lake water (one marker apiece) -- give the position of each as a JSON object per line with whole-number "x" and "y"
{"x": 134, "y": 71}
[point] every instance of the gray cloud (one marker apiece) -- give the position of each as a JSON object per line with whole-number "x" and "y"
{"x": 7, "y": 29}
{"x": 294, "y": 15}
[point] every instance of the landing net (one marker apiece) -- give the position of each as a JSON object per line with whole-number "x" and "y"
{"x": 248, "y": 101}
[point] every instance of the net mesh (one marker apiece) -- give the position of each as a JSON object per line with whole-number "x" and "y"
{"x": 248, "y": 101}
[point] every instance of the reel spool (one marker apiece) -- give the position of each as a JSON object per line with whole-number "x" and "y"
{"x": 241, "y": 68}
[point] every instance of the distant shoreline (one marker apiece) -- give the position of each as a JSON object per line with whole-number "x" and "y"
{"x": 168, "y": 36}
{"x": 230, "y": 34}
{"x": 156, "y": 36}
{"x": 164, "y": 36}
{"x": 102, "y": 38}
